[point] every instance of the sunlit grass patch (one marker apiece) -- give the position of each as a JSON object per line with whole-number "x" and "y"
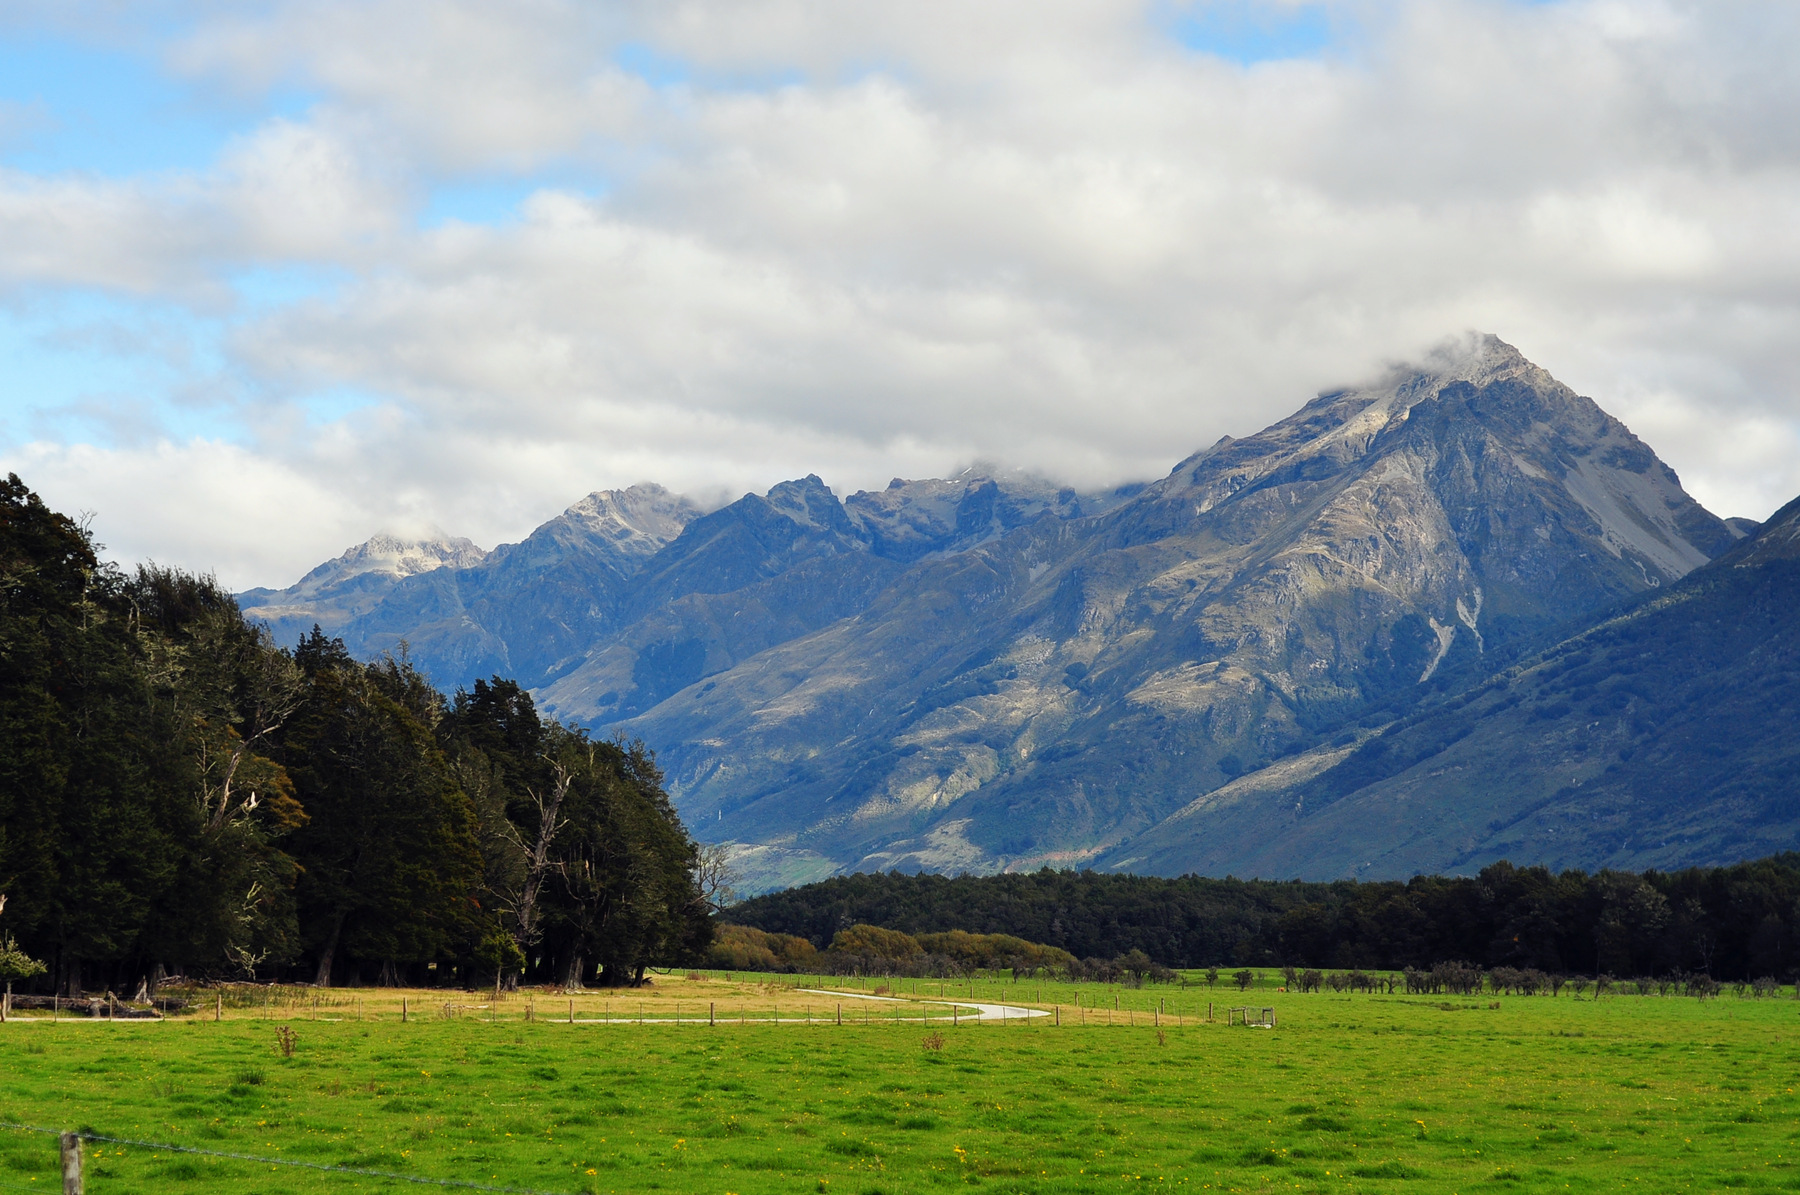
{"x": 1351, "y": 1093}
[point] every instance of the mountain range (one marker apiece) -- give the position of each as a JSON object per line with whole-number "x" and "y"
{"x": 1346, "y": 645}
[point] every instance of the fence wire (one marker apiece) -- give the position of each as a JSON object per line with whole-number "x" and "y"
{"x": 464, "y": 1184}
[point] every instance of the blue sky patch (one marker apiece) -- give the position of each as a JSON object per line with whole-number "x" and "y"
{"x": 1247, "y": 32}
{"x": 478, "y": 201}
{"x": 71, "y": 107}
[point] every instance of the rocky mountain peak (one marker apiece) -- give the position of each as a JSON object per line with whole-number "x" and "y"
{"x": 638, "y": 521}
{"x": 807, "y": 501}
{"x": 356, "y": 582}
{"x": 911, "y": 519}
{"x": 395, "y": 556}
{"x": 1776, "y": 539}
{"x": 1479, "y": 358}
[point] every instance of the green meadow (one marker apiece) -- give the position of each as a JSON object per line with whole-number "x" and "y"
{"x": 1349, "y": 1093}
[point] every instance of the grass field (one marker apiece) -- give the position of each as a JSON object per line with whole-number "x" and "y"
{"x": 1350, "y": 1093}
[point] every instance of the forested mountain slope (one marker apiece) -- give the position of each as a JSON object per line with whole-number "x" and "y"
{"x": 1663, "y": 737}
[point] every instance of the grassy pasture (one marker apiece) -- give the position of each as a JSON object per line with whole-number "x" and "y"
{"x": 1351, "y": 1093}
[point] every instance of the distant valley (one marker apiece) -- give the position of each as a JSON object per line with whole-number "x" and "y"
{"x": 1380, "y": 636}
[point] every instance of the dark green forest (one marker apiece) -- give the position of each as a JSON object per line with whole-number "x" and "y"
{"x": 1741, "y": 921}
{"x": 179, "y": 794}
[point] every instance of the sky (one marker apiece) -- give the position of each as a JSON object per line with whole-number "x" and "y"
{"x": 275, "y": 276}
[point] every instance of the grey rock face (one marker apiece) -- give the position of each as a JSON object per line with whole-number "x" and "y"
{"x": 1662, "y": 736}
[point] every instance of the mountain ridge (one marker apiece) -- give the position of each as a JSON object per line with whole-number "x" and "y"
{"x": 1154, "y": 625}
{"x": 992, "y": 672}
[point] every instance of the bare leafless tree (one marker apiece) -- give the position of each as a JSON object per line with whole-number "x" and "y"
{"x": 538, "y": 862}
{"x": 716, "y": 877}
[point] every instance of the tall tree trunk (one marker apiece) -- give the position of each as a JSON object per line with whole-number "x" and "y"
{"x": 322, "y": 978}
{"x": 537, "y": 859}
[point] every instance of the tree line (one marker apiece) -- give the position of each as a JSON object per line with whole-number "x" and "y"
{"x": 180, "y": 794}
{"x": 1730, "y": 922}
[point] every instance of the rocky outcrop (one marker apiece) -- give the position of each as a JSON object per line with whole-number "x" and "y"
{"x": 1661, "y": 737}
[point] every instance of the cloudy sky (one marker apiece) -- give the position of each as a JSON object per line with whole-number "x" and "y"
{"x": 276, "y": 275}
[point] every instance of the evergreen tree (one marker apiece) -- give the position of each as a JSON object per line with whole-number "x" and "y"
{"x": 391, "y": 871}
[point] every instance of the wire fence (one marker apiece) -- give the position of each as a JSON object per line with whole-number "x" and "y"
{"x": 362, "y": 1172}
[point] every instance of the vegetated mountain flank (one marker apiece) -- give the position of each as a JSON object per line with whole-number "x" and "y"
{"x": 1661, "y": 737}
{"x": 993, "y": 672}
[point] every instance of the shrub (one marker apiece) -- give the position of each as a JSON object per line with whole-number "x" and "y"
{"x": 740, "y": 948}
{"x": 876, "y": 942}
{"x": 992, "y": 950}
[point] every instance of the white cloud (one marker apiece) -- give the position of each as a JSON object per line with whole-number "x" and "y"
{"x": 877, "y": 238}
{"x": 288, "y": 192}
{"x": 203, "y": 504}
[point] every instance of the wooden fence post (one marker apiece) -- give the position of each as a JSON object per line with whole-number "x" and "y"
{"x": 71, "y": 1163}
{"x": 571, "y": 1010}
{"x": 709, "y": 1014}
{"x": 403, "y": 1010}
{"x": 218, "y": 1006}
{"x": 840, "y": 1014}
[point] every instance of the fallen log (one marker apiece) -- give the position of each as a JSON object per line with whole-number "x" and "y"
{"x": 96, "y": 1006}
